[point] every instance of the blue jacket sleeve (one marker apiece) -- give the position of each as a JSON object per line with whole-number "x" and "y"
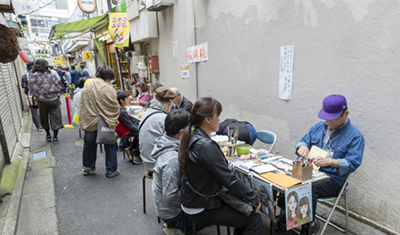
{"x": 126, "y": 121}
{"x": 351, "y": 161}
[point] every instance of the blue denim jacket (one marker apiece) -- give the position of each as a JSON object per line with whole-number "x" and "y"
{"x": 347, "y": 144}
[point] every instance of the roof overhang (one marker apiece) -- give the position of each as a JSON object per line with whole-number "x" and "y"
{"x": 61, "y": 31}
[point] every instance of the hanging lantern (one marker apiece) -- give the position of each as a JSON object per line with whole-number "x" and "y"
{"x": 24, "y": 56}
{"x": 9, "y": 46}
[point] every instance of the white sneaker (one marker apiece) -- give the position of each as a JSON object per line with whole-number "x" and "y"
{"x": 172, "y": 231}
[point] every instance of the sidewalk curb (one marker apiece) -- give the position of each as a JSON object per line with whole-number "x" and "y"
{"x": 10, "y": 224}
{"x": 11, "y": 220}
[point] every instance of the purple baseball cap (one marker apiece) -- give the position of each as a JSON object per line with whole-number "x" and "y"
{"x": 332, "y": 107}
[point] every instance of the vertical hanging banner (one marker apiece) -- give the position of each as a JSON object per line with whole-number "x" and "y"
{"x": 119, "y": 29}
{"x": 102, "y": 51}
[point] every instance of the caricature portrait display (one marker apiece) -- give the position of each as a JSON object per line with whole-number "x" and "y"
{"x": 298, "y": 206}
{"x": 264, "y": 192}
{"x": 245, "y": 178}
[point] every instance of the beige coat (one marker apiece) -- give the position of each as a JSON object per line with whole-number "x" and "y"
{"x": 101, "y": 93}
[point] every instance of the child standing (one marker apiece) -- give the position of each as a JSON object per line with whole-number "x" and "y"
{"x": 126, "y": 128}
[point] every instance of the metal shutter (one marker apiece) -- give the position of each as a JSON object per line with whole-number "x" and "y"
{"x": 6, "y": 114}
{"x": 15, "y": 101}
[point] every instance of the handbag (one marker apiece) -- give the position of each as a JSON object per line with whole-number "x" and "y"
{"x": 32, "y": 101}
{"x": 235, "y": 202}
{"x": 229, "y": 198}
{"x": 105, "y": 135}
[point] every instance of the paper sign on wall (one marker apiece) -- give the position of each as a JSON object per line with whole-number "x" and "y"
{"x": 197, "y": 53}
{"x": 175, "y": 50}
{"x": 189, "y": 54}
{"x": 203, "y": 50}
{"x": 286, "y": 73}
{"x": 185, "y": 71}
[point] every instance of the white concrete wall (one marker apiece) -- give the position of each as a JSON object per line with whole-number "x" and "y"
{"x": 341, "y": 46}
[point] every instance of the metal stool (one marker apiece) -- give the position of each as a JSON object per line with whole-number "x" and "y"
{"x": 228, "y": 229}
{"x": 148, "y": 175}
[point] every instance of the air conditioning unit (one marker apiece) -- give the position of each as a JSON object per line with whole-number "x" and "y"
{"x": 158, "y": 5}
{"x": 132, "y": 9}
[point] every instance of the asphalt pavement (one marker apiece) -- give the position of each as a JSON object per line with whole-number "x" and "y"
{"x": 95, "y": 204}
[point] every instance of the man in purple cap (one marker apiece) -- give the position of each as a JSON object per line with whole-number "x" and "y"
{"x": 343, "y": 142}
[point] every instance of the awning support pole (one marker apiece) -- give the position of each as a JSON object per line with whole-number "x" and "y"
{"x": 121, "y": 81}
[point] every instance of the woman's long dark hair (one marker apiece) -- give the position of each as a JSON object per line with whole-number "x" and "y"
{"x": 204, "y": 107}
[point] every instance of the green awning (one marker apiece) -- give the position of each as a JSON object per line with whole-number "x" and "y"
{"x": 81, "y": 27}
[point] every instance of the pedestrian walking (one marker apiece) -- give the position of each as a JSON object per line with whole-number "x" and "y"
{"x": 98, "y": 97}
{"x": 46, "y": 87}
{"x": 33, "y": 107}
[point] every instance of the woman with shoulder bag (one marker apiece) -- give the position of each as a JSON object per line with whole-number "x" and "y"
{"x": 45, "y": 87}
{"x": 99, "y": 97}
{"x": 205, "y": 170}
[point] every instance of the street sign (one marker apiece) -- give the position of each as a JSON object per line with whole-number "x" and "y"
{"x": 87, "y": 6}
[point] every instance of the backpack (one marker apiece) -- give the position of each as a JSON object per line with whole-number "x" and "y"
{"x": 244, "y": 133}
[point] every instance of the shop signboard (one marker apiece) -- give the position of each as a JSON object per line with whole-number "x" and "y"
{"x": 119, "y": 29}
{"x": 87, "y": 56}
{"x": 87, "y": 6}
{"x": 57, "y": 61}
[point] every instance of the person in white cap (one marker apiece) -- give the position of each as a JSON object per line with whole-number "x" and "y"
{"x": 180, "y": 101}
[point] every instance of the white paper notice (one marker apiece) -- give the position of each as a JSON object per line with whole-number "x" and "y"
{"x": 185, "y": 71}
{"x": 196, "y": 53}
{"x": 286, "y": 73}
{"x": 175, "y": 49}
{"x": 204, "y": 51}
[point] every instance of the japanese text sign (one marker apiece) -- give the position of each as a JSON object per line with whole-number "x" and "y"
{"x": 119, "y": 29}
{"x": 57, "y": 61}
{"x": 197, "y": 53}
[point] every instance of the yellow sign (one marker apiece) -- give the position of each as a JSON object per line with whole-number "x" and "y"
{"x": 64, "y": 60}
{"x": 57, "y": 61}
{"x": 87, "y": 55}
{"x": 119, "y": 29}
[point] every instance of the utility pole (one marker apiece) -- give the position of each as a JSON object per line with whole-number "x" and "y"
{"x": 121, "y": 81}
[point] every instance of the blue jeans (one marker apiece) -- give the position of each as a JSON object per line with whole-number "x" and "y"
{"x": 90, "y": 152}
{"x": 178, "y": 222}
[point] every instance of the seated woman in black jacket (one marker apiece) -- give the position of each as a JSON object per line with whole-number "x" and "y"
{"x": 205, "y": 169}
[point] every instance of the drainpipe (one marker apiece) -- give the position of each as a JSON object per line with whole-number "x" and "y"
{"x": 195, "y": 42}
{"x": 121, "y": 82}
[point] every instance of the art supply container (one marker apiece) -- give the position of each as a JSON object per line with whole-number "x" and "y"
{"x": 302, "y": 173}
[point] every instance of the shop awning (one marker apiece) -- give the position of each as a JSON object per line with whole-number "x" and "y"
{"x": 81, "y": 27}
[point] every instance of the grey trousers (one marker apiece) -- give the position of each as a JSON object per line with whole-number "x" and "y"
{"x": 35, "y": 117}
{"x": 50, "y": 110}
